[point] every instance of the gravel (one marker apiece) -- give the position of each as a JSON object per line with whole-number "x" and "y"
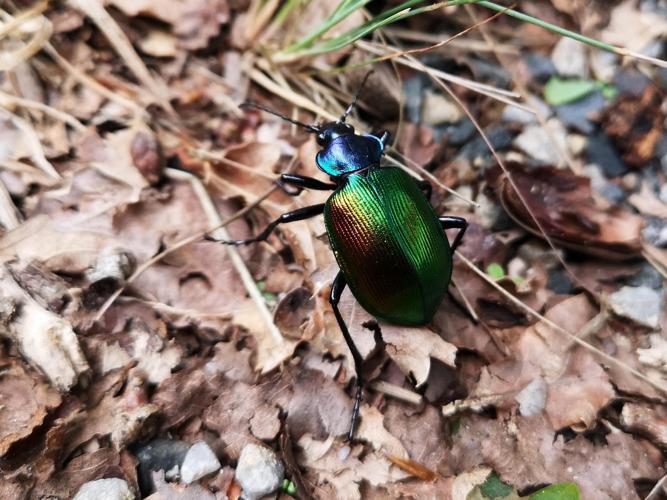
{"x": 640, "y": 304}
{"x": 105, "y": 489}
{"x": 259, "y": 471}
{"x": 200, "y": 461}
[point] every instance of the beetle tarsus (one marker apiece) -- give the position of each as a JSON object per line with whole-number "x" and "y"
{"x": 300, "y": 214}
{"x": 337, "y": 288}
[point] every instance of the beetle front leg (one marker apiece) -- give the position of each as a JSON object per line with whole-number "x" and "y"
{"x": 303, "y": 182}
{"x": 336, "y": 291}
{"x": 300, "y": 214}
{"x": 453, "y": 222}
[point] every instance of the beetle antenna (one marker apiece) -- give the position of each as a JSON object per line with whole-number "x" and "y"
{"x": 353, "y": 104}
{"x": 252, "y": 104}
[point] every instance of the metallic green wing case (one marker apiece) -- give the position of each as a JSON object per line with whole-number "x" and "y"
{"x": 390, "y": 246}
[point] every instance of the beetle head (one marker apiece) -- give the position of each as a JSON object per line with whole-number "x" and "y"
{"x": 329, "y": 131}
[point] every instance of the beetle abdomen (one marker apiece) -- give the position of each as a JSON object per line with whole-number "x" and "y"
{"x": 389, "y": 244}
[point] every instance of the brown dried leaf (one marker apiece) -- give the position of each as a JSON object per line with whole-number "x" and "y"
{"x": 24, "y": 403}
{"x": 525, "y": 452}
{"x": 636, "y": 124}
{"x": 568, "y": 212}
{"x": 577, "y": 385}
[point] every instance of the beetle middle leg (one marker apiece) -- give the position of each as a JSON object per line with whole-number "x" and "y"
{"x": 300, "y": 214}
{"x": 453, "y": 222}
{"x": 336, "y": 291}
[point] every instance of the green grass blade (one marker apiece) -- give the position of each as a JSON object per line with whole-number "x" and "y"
{"x": 339, "y": 15}
{"x": 551, "y": 27}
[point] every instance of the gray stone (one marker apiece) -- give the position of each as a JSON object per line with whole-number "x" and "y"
{"x": 200, "y": 461}
{"x": 655, "y": 232}
{"x": 518, "y": 115}
{"x": 577, "y": 114}
{"x": 437, "y": 109}
{"x": 537, "y": 143}
{"x": 160, "y": 454}
{"x": 541, "y": 68}
{"x": 105, "y": 489}
{"x": 640, "y": 304}
{"x": 259, "y": 471}
{"x": 569, "y": 57}
{"x": 601, "y": 151}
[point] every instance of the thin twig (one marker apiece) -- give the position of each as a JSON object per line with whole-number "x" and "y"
{"x": 396, "y": 392}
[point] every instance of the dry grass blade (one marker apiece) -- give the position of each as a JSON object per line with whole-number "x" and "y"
{"x": 96, "y": 11}
{"x": 7, "y": 100}
{"x": 40, "y": 30}
{"x": 33, "y": 142}
{"x": 574, "y": 338}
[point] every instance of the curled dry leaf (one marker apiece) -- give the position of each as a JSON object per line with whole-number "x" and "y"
{"x": 24, "y": 403}
{"x": 566, "y": 209}
{"x": 635, "y": 124}
{"x": 413, "y": 348}
{"x": 46, "y": 340}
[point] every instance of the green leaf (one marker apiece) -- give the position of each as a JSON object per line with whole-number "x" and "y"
{"x": 495, "y": 270}
{"x": 561, "y": 491}
{"x": 288, "y": 487}
{"x": 493, "y": 487}
{"x": 558, "y": 91}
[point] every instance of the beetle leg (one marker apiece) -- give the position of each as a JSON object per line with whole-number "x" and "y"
{"x": 453, "y": 222}
{"x": 336, "y": 292}
{"x": 303, "y": 182}
{"x": 384, "y": 138}
{"x": 426, "y": 187}
{"x": 300, "y": 214}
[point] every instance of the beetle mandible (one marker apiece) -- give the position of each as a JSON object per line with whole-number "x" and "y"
{"x": 389, "y": 242}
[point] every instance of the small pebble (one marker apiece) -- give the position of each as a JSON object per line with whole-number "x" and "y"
{"x": 437, "y": 109}
{"x": 259, "y": 471}
{"x": 541, "y": 68}
{"x": 200, "y": 461}
{"x": 569, "y": 57}
{"x": 600, "y": 151}
{"x": 536, "y": 142}
{"x": 577, "y": 114}
{"x": 413, "y": 90}
{"x": 160, "y": 454}
{"x": 105, "y": 489}
{"x": 604, "y": 65}
{"x": 519, "y": 115}
{"x": 640, "y": 304}
{"x": 655, "y": 232}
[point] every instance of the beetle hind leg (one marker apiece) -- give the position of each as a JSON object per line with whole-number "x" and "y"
{"x": 336, "y": 292}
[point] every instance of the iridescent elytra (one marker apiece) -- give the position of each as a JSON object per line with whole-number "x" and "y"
{"x": 389, "y": 242}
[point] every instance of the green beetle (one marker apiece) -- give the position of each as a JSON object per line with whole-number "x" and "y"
{"x": 390, "y": 244}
